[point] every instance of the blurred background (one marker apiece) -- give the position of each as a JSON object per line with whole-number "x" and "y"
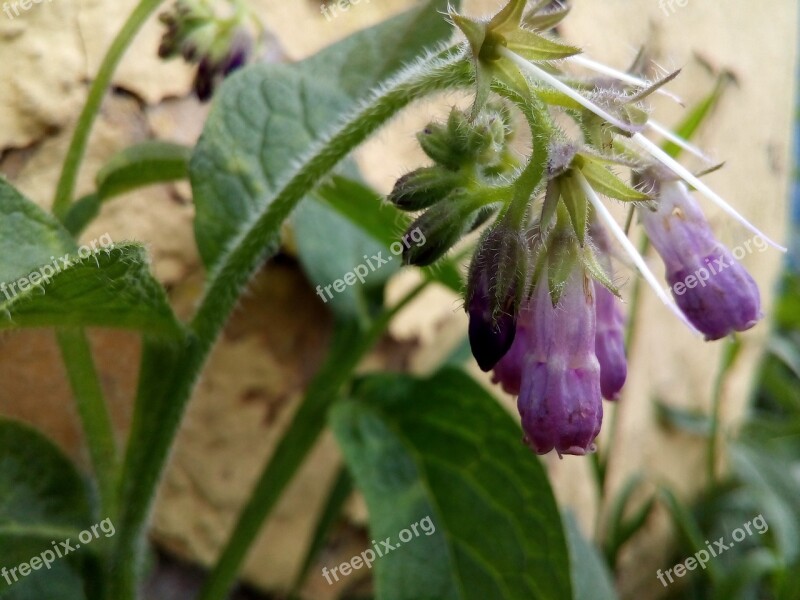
{"x": 277, "y": 338}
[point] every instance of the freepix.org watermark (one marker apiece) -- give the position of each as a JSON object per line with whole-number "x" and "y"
{"x": 370, "y": 265}
{"x": 368, "y": 556}
{"x": 701, "y": 557}
{"x": 333, "y": 9}
{"x": 60, "y": 549}
{"x": 53, "y": 268}
{"x": 17, "y": 5}
{"x": 714, "y": 267}
{"x": 668, "y": 7}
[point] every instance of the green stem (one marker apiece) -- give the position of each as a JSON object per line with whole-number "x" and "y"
{"x": 159, "y": 408}
{"x": 348, "y": 348}
{"x": 77, "y": 147}
{"x": 93, "y": 412}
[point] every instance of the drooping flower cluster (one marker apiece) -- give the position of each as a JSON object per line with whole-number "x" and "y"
{"x": 219, "y": 45}
{"x": 545, "y": 314}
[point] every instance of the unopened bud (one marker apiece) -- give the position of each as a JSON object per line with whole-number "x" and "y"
{"x": 423, "y": 188}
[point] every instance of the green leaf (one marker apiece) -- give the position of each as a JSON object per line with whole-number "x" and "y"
{"x": 42, "y": 499}
{"x": 29, "y": 237}
{"x": 684, "y": 420}
{"x": 340, "y": 259}
{"x": 364, "y": 207}
{"x": 110, "y": 288}
{"x": 143, "y": 164}
{"x": 440, "y": 453}
{"x": 137, "y": 166}
{"x": 243, "y": 155}
{"x": 591, "y": 579}
{"x": 46, "y": 280}
{"x": 697, "y": 115}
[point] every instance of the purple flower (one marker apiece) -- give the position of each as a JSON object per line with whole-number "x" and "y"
{"x": 709, "y": 285}
{"x": 494, "y": 291}
{"x": 508, "y": 371}
{"x": 491, "y": 332}
{"x": 609, "y": 343}
{"x": 559, "y": 401}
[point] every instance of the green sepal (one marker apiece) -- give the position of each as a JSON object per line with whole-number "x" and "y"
{"x": 607, "y": 183}
{"x": 545, "y": 20}
{"x": 655, "y": 87}
{"x": 561, "y": 256}
{"x": 633, "y": 115}
{"x": 533, "y": 46}
{"x": 475, "y": 32}
{"x": 576, "y": 205}
{"x": 555, "y": 98}
{"x": 588, "y": 258}
{"x": 551, "y": 197}
{"x": 507, "y": 73}
{"x": 509, "y": 17}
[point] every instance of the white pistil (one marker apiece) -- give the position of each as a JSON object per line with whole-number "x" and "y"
{"x": 637, "y": 259}
{"x": 690, "y": 178}
{"x": 562, "y": 87}
{"x": 599, "y": 67}
{"x": 678, "y": 140}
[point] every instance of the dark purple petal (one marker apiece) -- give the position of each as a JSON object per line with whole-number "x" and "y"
{"x": 491, "y": 333}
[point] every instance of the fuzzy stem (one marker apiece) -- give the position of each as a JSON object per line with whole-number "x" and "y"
{"x": 93, "y": 413}
{"x": 77, "y": 146}
{"x": 347, "y": 351}
{"x": 257, "y": 240}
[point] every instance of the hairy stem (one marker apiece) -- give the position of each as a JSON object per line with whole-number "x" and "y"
{"x": 145, "y": 461}
{"x": 93, "y": 413}
{"x": 348, "y": 348}
{"x": 77, "y": 146}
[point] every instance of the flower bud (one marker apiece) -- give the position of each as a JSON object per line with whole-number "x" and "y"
{"x": 494, "y": 290}
{"x": 444, "y": 224}
{"x": 709, "y": 285}
{"x": 423, "y": 187}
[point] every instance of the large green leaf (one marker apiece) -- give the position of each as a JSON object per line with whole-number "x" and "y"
{"x": 112, "y": 288}
{"x": 29, "y": 237}
{"x": 268, "y": 116}
{"x": 42, "y": 500}
{"x": 46, "y": 280}
{"x": 443, "y": 449}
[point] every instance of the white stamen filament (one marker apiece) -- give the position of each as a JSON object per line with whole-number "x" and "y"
{"x": 690, "y": 178}
{"x": 637, "y": 259}
{"x": 562, "y": 87}
{"x": 678, "y": 140}
{"x": 599, "y": 67}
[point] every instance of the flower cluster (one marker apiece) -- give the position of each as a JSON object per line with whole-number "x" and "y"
{"x": 219, "y": 45}
{"x": 544, "y": 312}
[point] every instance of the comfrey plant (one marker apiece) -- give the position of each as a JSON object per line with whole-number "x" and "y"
{"x": 544, "y": 311}
{"x": 545, "y": 314}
